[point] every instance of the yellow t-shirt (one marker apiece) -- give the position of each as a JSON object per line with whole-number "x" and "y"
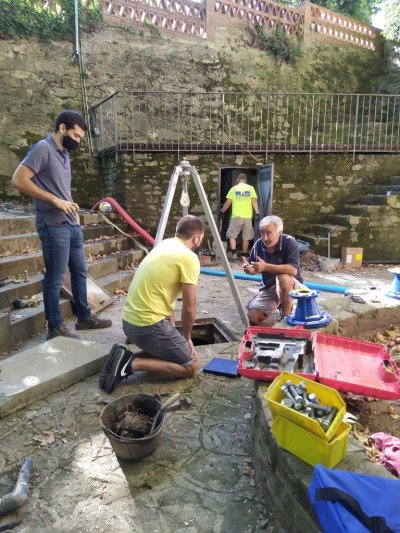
{"x": 157, "y": 282}
{"x": 241, "y": 196}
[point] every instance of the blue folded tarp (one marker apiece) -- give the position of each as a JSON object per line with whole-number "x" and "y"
{"x": 373, "y": 503}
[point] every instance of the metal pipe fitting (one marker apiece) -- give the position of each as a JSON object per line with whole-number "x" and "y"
{"x": 16, "y": 498}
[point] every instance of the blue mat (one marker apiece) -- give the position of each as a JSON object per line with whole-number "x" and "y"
{"x": 222, "y": 367}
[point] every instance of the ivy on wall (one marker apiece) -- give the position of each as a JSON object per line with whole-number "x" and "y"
{"x": 29, "y": 18}
{"x": 284, "y": 47}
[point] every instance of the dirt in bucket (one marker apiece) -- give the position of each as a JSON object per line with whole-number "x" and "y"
{"x": 133, "y": 424}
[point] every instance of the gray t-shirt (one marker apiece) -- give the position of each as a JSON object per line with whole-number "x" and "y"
{"x": 52, "y": 170}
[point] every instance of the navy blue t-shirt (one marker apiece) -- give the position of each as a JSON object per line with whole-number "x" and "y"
{"x": 52, "y": 170}
{"x": 287, "y": 253}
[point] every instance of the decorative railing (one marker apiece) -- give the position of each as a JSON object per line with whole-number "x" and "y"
{"x": 262, "y": 12}
{"x": 200, "y": 18}
{"x": 247, "y": 122}
{"x": 179, "y": 16}
{"x": 342, "y": 28}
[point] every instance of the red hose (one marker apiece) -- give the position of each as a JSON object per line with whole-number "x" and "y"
{"x": 148, "y": 238}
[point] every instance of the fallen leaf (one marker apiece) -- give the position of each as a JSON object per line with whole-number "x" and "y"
{"x": 395, "y": 417}
{"x": 47, "y": 437}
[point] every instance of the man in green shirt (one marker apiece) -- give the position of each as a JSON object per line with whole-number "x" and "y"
{"x": 243, "y": 199}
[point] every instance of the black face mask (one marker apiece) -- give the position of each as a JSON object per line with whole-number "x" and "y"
{"x": 69, "y": 143}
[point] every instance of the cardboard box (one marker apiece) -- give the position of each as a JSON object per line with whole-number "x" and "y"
{"x": 352, "y": 257}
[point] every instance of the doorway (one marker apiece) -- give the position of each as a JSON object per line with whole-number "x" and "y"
{"x": 261, "y": 178}
{"x": 228, "y": 178}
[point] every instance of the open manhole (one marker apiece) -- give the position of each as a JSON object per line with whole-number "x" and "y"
{"x": 209, "y": 331}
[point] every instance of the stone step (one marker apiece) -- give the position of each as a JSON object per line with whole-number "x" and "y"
{"x": 33, "y": 263}
{"x": 17, "y": 244}
{"x": 316, "y": 236}
{"x": 356, "y": 209}
{"x": 22, "y": 324}
{"x": 17, "y": 225}
{"x": 373, "y": 199}
{"x": 343, "y": 220}
{"x": 384, "y": 189}
{"x": 314, "y": 240}
{"x": 26, "y": 223}
{"x": 321, "y": 230}
{"x": 114, "y": 263}
{"x": 97, "y": 269}
{"x": 59, "y": 362}
{"x": 393, "y": 180}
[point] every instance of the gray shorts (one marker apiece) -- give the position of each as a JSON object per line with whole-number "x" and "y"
{"x": 237, "y": 224}
{"x": 161, "y": 341}
{"x": 267, "y": 302}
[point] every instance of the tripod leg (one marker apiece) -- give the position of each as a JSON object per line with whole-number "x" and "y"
{"x": 167, "y": 204}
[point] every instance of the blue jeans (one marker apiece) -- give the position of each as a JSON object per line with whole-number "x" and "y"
{"x": 62, "y": 247}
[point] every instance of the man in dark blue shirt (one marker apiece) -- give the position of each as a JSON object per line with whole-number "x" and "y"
{"x": 276, "y": 257}
{"x": 45, "y": 175}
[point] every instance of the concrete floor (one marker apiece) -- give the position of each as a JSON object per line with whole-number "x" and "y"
{"x": 200, "y": 477}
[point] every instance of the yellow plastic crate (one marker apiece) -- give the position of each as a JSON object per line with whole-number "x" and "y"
{"x": 326, "y": 395}
{"x": 307, "y": 446}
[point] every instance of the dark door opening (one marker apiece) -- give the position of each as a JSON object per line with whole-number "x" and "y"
{"x": 261, "y": 179}
{"x": 228, "y": 178}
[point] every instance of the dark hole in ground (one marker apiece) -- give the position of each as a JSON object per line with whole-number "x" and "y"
{"x": 209, "y": 331}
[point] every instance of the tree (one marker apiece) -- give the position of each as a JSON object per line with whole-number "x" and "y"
{"x": 360, "y": 9}
{"x": 392, "y": 16}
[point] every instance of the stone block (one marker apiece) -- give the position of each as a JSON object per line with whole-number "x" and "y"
{"x": 33, "y": 374}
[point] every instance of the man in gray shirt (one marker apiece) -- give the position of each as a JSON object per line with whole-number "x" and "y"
{"x": 45, "y": 175}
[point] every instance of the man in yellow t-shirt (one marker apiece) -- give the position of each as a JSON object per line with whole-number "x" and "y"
{"x": 170, "y": 270}
{"x": 243, "y": 199}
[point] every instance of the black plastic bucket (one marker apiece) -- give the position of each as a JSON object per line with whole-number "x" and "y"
{"x": 129, "y": 448}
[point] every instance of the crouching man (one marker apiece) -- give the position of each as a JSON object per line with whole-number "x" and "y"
{"x": 276, "y": 257}
{"x": 171, "y": 269}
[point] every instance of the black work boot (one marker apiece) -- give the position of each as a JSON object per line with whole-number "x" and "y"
{"x": 61, "y": 331}
{"x": 93, "y": 322}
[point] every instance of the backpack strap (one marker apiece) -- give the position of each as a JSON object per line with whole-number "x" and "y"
{"x": 376, "y": 524}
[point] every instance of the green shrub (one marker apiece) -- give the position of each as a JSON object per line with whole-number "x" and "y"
{"x": 28, "y": 18}
{"x": 283, "y": 46}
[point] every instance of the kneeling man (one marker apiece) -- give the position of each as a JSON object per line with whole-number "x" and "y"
{"x": 276, "y": 257}
{"x": 171, "y": 269}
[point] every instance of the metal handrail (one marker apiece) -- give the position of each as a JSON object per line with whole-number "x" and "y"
{"x": 238, "y": 122}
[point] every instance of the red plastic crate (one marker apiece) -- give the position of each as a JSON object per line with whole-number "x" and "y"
{"x": 342, "y": 363}
{"x": 356, "y": 366}
{"x": 246, "y": 351}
